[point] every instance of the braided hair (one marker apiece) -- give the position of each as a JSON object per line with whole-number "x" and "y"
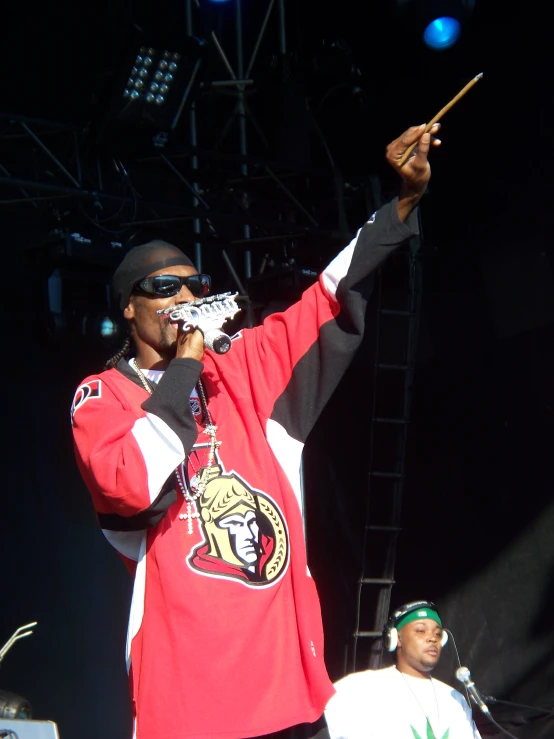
{"x": 123, "y": 353}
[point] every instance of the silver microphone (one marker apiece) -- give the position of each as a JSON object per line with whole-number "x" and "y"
{"x": 464, "y": 676}
{"x": 209, "y": 315}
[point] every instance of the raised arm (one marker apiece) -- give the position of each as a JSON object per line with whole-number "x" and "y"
{"x": 299, "y": 356}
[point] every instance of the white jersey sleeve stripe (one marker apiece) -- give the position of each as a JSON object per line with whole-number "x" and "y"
{"x": 289, "y": 455}
{"x": 161, "y": 449}
{"x": 137, "y": 601}
{"x": 338, "y": 267}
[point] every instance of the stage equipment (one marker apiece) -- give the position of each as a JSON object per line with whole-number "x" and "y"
{"x": 464, "y": 676}
{"x": 209, "y": 315}
{"x": 14, "y": 706}
{"x": 15, "y": 710}
{"x": 72, "y": 272}
{"x": 442, "y": 33}
{"x": 438, "y": 23}
{"x": 79, "y": 305}
{"x": 158, "y": 80}
{"x": 18, "y": 634}
{"x": 24, "y": 729}
{"x": 539, "y": 709}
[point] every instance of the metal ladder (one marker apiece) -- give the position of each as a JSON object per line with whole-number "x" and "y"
{"x": 397, "y": 321}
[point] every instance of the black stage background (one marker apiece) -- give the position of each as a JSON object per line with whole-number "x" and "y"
{"x": 479, "y": 512}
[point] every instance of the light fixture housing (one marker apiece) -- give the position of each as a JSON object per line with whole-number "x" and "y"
{"x": 158, "y": 80}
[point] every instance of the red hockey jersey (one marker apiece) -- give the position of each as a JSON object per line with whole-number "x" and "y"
{"x": 225, "y": 635}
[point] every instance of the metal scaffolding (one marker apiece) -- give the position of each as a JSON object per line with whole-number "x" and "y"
{"x": 224, "y": 193}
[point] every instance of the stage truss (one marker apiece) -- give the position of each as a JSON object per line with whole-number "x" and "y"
{"x": 219, "y": 194}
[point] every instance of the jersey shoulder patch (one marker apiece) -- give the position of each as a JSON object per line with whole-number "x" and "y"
{"x": 90, "y": 390}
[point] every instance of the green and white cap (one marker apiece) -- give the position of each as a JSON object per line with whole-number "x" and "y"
{"x": 418, "y": 614}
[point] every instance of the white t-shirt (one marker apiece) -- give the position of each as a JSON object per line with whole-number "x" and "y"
{"x": 387, "y": 704}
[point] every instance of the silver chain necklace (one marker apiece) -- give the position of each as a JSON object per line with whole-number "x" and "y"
{"x": 203, "y": 476}
{"x": 419, "y": 704}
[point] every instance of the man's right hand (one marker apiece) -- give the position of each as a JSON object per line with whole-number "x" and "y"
{"x": 190, "y": 344}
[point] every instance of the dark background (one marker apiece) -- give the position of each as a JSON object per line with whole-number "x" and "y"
{"x": 478, "y": 513}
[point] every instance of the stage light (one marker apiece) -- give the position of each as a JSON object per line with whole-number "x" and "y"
{"x": 438, "y": 23}
{"x": 72, "y": 273}
{"x": 100, "y": 325}
{"x": 79, "y": 305}
{"x": 108, "y": 327}
{"x": 442, "y": 33}
{"x": 157, "y": 81}
{"x": 149, "y": 69}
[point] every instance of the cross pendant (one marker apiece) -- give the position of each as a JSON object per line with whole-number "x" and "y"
{"x": 189, "y": 515}
{"x": 214, "y": 444}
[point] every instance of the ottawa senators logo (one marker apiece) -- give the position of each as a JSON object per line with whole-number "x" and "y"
{"x": 87, "y": 391}
{"x": 245, "y": 535}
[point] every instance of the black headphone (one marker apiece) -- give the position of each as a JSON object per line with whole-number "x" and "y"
{"x": 390, "y": 633}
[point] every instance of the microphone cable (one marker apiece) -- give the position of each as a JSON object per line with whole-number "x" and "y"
{"x": 493, "y": 700}
{"x": 451, "y": 638}
{"x": 469, "y": 702}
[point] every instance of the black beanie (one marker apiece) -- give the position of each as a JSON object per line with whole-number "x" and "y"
{"x": 140, "y": 262}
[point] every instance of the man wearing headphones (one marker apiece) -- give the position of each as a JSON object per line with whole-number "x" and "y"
{"x": 403, "y": 701}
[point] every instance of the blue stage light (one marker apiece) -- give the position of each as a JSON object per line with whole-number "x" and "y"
{"x": 442, "y": 33}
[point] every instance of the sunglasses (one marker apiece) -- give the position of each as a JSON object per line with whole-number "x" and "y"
{"x": 166, "y": 286}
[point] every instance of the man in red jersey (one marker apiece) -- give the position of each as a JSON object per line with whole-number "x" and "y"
{"x": 192, "y": 459}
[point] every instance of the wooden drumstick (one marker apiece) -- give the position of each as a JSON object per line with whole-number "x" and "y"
{"x": 439, "y": 115}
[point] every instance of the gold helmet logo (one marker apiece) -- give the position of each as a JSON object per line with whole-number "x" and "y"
{"x": 245, "y": 534}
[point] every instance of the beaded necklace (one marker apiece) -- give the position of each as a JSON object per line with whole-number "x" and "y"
{"x": 429, "y": 726}
{"x": 202, "y": 476}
